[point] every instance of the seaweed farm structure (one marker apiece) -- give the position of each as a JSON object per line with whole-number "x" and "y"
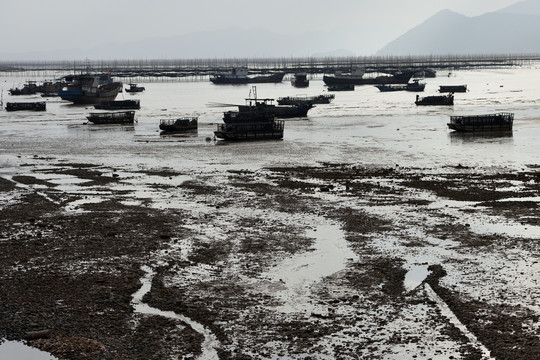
{"x": 435, "y": 100}
{"x": 26, "y": 106}
{"x": 482, "y": 123}
{"x": 115, "y": 117}
{"x": 178, "y": 68}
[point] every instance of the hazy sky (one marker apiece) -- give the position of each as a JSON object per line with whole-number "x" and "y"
{"x": 39, "y": 25}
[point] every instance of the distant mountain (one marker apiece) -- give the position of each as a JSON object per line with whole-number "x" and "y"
{"x": 515, "y": 29}
{"x": 530, "y": 7}
{"x": 226, "y": 43}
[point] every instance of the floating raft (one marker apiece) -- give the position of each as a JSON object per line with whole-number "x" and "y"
{"x": 488, "y": 122}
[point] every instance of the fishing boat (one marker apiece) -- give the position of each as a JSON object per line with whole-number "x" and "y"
{"x": 115, "y": 117}
{"x": 255, "y": 130}
{"x": 181, "y": 124}
{"x": 341, "y": 87}
{"x": 133, "y": 88}
{"x": 26, "y": 106}
{"x": 266, "y": 106}
{"x": 90, "y": 89}
{"x": 453, "y": 88}
{"x": 134, "y": 104}
{"x": 435, "y": 100}
{"x": 414, "y": 86}
{"x": 240, "y": 76}
{"x": 306, "y": 100}
{"x": 300, "y": 80}
{"x": 482, "y": 123}
{"x": 30, "y": 88}
{"x": 358, "y": 77}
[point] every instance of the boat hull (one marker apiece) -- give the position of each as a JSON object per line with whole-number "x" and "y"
{"x": 401, "y": 78}
{"x": 107, "y": 92}
{"x": 435, "y": 100}
{"x": 26, "y": 106}
{"x": 178, "y": 125}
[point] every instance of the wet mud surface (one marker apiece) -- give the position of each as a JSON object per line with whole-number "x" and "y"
{"x": 72, "y": 251}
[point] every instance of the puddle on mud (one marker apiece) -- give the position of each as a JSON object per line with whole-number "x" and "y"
{"x": 292, "y": 279}
{"x": 415, "y": 276}
{"x": 14, "y": 350}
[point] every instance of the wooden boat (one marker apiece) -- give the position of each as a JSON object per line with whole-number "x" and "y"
{"x": 240, "y": 76}
{"x": 90, "y": 89}
{"x": 133, "y": 88}
{"x": 482, "y": 123}
{"x": 306, "y": 100}
{"x": 341, "y": 87}
{"x": 357, "y": 77}
{"x": 435, "y": 100}
{"x": 300, "y": 80}
{"x": 119, "y": 105}
{"x": 115, "y": 117}
{"x": 251, "y": 130}
{"x": 453, "y": 88}
{"x": 181, "y": 124}
{"x": 26, "y": 106}
{"x": 415, "y": 86}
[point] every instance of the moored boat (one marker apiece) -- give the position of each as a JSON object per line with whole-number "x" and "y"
{"x": 90, "y": 89}
{"x": 180, "y": 124}
{"x": 306, "y": 100}
{"x": 300, "y": 80}
{"x": 115, "y": 117}
{"x": 134, "y": 104}
{"x": 256, "y": 130}
{"x": 358, "y": 77}
{"x": 482, "y": 123}
{"x": 240, "y": 76}
{"x": 341, "y": 87}
{"x": 414, "y": 86}
{"x": 452, "y": 88}
{"x": 435, "y": 100}
{"x": 133, "y": 88}
{"x": 26, "y": 106}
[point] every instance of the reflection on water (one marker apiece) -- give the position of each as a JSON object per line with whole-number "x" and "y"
{"x": 501, "y": 137}
{"x": 14, "y": 350}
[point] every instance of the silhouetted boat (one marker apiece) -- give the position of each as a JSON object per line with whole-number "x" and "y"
{"x": 133, "y": 88}
{"x": 26, "y": 106}
{"x": 30, "y": 88}
{"x": 300, "y": 80}
{"x": 181, "y": 124}
{"x": 306, "y": 100}
{"x": 116, "y": 117}
{"x": 453, "y": 88}
{"x": 90, "y": 89}
{"x": 357, "y": 77}
{"x": 240, "y": 76}
{"x": 341, "y": 87}
{"x": 435, "y": 100}
{"x": 482, "y": 123}
{"x": 251, "y": 130}
{"x": 415, "y": 86}
{"x": 134, "y": 104}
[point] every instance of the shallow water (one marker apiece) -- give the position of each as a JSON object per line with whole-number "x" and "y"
{"x": 364, "y": 126}
{"x": 14, "y": 350}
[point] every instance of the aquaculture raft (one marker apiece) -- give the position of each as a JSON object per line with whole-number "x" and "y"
{"x": 28, "y": 106}
{"x": 488, "y": 122}
{"x": 251, "y": 131}
{"x": 116, "y": 117}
